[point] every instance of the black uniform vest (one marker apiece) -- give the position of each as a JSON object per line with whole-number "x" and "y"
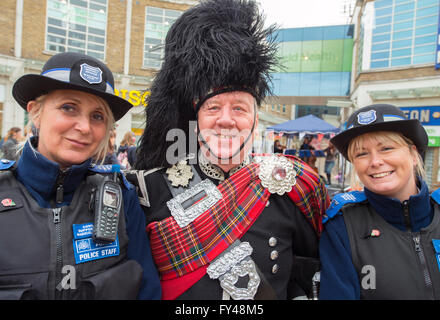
{"x": 37, "y": 254}
{"x": 392, "y": 264}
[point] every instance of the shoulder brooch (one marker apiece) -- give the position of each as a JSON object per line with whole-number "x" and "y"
{"x": 180, "y": 174}
{"x": 276, "y": 173}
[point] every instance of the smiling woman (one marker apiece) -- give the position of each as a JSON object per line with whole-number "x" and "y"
{"x": 392, "y": 225}
{"x": 55, "y": 209}
{"x": 387, "y": 163}
{"x": 73, "y": 126}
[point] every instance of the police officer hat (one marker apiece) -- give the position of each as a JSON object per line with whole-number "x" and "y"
{"x": 381, "y": 117}
{"x": 74, "y": 71}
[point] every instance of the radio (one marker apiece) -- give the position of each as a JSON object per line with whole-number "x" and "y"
{"x": 107, "y": 209}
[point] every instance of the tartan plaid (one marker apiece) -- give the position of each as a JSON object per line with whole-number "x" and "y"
{"x": 179, "y": 251}
{"x": 309, "y": 194}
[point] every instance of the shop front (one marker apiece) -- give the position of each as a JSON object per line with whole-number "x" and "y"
{"x": 429, "y": 116}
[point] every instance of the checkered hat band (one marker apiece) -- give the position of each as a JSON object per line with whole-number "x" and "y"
{"x": 387, "y": 118}
{"x": 63, "y": 74}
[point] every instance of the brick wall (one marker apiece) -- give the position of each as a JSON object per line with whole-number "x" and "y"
{"x": 34, "y": 30}
{"x": 7, "y": 25}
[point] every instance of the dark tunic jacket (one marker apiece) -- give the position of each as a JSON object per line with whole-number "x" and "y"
{"x": 288, "y": 266}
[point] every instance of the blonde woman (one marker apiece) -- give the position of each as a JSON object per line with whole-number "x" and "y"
{"x": 49, "y": 246}
{"x": 382, "y": 243}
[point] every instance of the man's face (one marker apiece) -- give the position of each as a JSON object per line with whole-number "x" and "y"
{"x": 225, "y": 121}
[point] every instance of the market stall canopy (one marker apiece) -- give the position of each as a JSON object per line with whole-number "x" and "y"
{"x": 307, "y": 124}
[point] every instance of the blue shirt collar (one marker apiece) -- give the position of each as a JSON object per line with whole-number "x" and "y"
{"x": 391, "y": 209}
{"x": 39, "y": 175}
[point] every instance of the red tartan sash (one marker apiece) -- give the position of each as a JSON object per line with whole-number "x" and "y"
{"x": 184, "y": 253}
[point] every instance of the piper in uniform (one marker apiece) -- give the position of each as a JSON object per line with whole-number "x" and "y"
{"x": 223, "y": 223}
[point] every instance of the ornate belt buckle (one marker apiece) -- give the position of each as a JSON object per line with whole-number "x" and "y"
{"x": 232, "y": 264}
{"x": 189, "y": 205}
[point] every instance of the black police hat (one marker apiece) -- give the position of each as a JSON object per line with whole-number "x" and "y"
{"x": 74, "y": 71}
{"x": 381, "y": 117}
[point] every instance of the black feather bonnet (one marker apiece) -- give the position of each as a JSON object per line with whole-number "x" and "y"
{"x": 214, "y": 47}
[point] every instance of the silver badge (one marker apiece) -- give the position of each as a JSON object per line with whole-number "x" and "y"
{"x": 276, "y": 173}
{"x": 201, "y": 197}
{"x": 92, "y": 75}
{"x": 180, "y": 174}
{"x": 367, "y": 117}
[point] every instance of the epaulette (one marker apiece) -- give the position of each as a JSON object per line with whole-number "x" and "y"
{"x": 6, "y": 164}
{"x": 436, "y": 196}
{"x": 110, "y": 168}
{"x": 340, "y": 200}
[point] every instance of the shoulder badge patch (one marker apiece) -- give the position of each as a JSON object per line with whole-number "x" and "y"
{"x": 6, "y": 164}
{"x": 341, "y": 199}
{"x": 436, "y": 196}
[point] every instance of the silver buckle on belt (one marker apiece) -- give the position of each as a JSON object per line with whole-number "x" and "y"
{"x": 232, "y": 264}
{"x": 189, "y": 205}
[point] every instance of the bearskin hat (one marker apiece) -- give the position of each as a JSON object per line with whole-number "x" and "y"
{"x": 214, "y": 47}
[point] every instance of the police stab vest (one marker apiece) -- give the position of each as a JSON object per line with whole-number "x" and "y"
{"x": 49, "y": 253}
{"x": 390, "y": 263}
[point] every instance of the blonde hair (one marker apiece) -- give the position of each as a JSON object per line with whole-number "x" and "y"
{"x": 383, "y": 137}
{"x": 102, "y": 149}
{"x": 127, "y": 140}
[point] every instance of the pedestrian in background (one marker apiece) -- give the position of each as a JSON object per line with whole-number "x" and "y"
{"x": 110, "y": 157}
{"x": 330, "y": 159}
{"x": 10, "y": 145}
{"x": 128, "y": 141}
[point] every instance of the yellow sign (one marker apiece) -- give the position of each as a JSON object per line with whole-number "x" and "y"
{"x": 135, "y": 97}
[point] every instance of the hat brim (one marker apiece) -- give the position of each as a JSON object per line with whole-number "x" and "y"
{"x": 411, "y": 129}
{"x": 31, "y": 86}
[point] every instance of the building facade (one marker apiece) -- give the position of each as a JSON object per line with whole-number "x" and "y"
{"x": 315, "y": 70}
{"x": 396, "y": 62}
{"x": 126, "y": 34}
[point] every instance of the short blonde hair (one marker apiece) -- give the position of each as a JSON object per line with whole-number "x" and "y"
{"x": 102, "y": 149}
{"x": 386, "y": 136}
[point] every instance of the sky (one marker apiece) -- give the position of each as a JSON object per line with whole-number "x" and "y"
{"x": 304, "y": 13}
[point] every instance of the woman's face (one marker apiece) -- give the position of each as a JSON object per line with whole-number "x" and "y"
{"x": 72, "y": 124}
{"x": 386, "y": 167}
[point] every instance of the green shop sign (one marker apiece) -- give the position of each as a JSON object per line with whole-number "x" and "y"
{"x": 316, "y": 56}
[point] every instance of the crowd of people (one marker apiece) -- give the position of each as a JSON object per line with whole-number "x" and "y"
{"x": 218, "y": 224}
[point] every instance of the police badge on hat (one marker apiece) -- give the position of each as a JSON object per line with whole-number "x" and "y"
{"x": 367, "y": 117}
{"x": 92, "y": 75}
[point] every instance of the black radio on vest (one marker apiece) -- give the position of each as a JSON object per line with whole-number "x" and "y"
{"x": 108, "y": 204}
